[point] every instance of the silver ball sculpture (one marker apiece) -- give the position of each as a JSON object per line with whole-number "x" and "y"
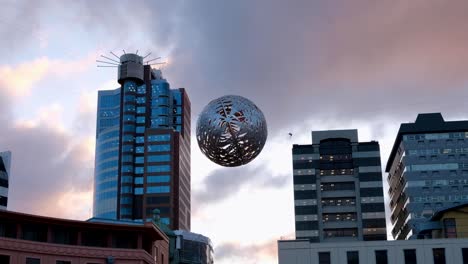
{"x": 231, "y": 131}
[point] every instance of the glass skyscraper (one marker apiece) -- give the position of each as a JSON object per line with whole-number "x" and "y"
{"x": 143, "y": 148}
{"x": 5, "y": 159}
{"x": 338, "y": 191}
{"x": 427, "y": 171}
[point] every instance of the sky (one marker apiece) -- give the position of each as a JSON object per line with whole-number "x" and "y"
{"x": 309, "y": 65}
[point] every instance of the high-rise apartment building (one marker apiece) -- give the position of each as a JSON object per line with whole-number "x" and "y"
{"x": 338, "y": 192}
{"x": 143, "y": 148}
{"x": 5, "y": 159}
{"x": 427, "y": 171}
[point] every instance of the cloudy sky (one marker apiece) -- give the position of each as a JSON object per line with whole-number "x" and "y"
{"x": 309, "y": 65}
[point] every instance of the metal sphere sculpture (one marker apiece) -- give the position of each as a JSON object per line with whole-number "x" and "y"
{"x": 231, "y": 131}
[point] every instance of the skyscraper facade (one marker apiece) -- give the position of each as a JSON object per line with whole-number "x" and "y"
{"x": 338, "y": 192}
{"x": 427, "y": 171}
{"x": 143, "y": 148}
{"x": 5, "y": 159}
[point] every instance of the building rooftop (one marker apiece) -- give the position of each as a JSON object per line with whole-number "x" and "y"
{"x": 425, "y": 123}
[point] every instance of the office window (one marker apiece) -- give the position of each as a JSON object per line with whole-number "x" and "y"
{"x": 4, "y": 259}
{"x": 157, "y": 189}
{"x": 324, "y": 258}
{"x": 438, "y": 255}
{"x": 33, "y": 261}
{"x": 465, "y": 255}
{"x": 62, "y": 262}
{"x": 381, "y": 257}
{"x": 410, "y": 256}
{"x": 353, "y": 257}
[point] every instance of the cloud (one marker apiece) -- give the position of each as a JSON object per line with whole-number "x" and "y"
{"x": 223, "y": 183}
{"x": 252, "y": 253}
{"x": 18, "y": 80}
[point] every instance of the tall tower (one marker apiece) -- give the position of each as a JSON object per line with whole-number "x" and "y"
{"x": 5, "y": 159}
{"x": 143, "y": 147}
{"x": 427, "y": 171}
{"x": 338, "y": 193}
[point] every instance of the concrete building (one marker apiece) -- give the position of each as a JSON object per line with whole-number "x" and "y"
{"x": 430, "y": 251}
{"x": 338, "y": 193}
{"x": 427, "y": 171}
{"x": 31, "y": 239}
{"x": 143, "y": 148}
{"x": 5, "y": 161}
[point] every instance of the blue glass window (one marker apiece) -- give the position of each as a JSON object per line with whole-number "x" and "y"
{"x": 140, "y": 139}
{"x": 126, "y": 189}
{"x": 106, "y": 185}
{"x": 126, "y": 158}
{"x": 129, "y": 108}
{"x": 127, "y": 148}
{"x": 140, "y": 120}
{"x": 177, "y": 97}
{"x": 128, "y": 138}
{"x": 141, "y": 100}
{"x": 138, "y": 180}
{"x": 160, "y": 121}
{"x": 139, "y": 160}
{"x": 155, "y": 138}
{"x": 159, "y": 148}
{"x": 127, "y": 168}
{"x": 129, "y": 128}
{"x": 157, "y": 189}
{"x": 165, "y": 220}
{"x": 140, "y": 129}
{"x": 178, "y": 128}
{"x": 139, "y": 170}
{"x": 127, "y": 179}
{"x": 129, "y": 98}
{"x": 140, "y": 150}
{"x": 159, "y": 158}
{"x": 141, "y": 110}
{"x": 158, "y": 168}
{"x": 178, "y": 119}
{"x": 126, "y": 200}
{"x": 160, "y": 111}
{"x": 141, "y": 89}
{"x": 139, "y": 190}
{"x": 157, "y": 179}
{"x": 130, "y": 86}
{"x": 125, "y": 211}
{"x": 129, "y": 118}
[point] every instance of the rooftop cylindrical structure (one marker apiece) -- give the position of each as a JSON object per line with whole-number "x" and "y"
{"x": 131, "y": 67}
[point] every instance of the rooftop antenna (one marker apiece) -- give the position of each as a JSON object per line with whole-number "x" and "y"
{"x": 147, "y": 55}
{"x": 114, "y": 63}
{"x": 114, "y": 55}
{"x": 118, "y": 62}
{"x": 147, "y": 62}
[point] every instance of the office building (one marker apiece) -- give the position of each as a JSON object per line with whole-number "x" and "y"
{"x": 194, "y": 248}
{"x": 143, "y": 148}
{"x": 433, "y": 251}
{"x": 338, "y": 193}
{"x": 5, "y": 161}
{"x": 33, "y": 239}
{"x": 427, "y": 171}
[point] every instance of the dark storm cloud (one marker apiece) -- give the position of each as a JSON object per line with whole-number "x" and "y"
{"x": 225, "y": 182}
